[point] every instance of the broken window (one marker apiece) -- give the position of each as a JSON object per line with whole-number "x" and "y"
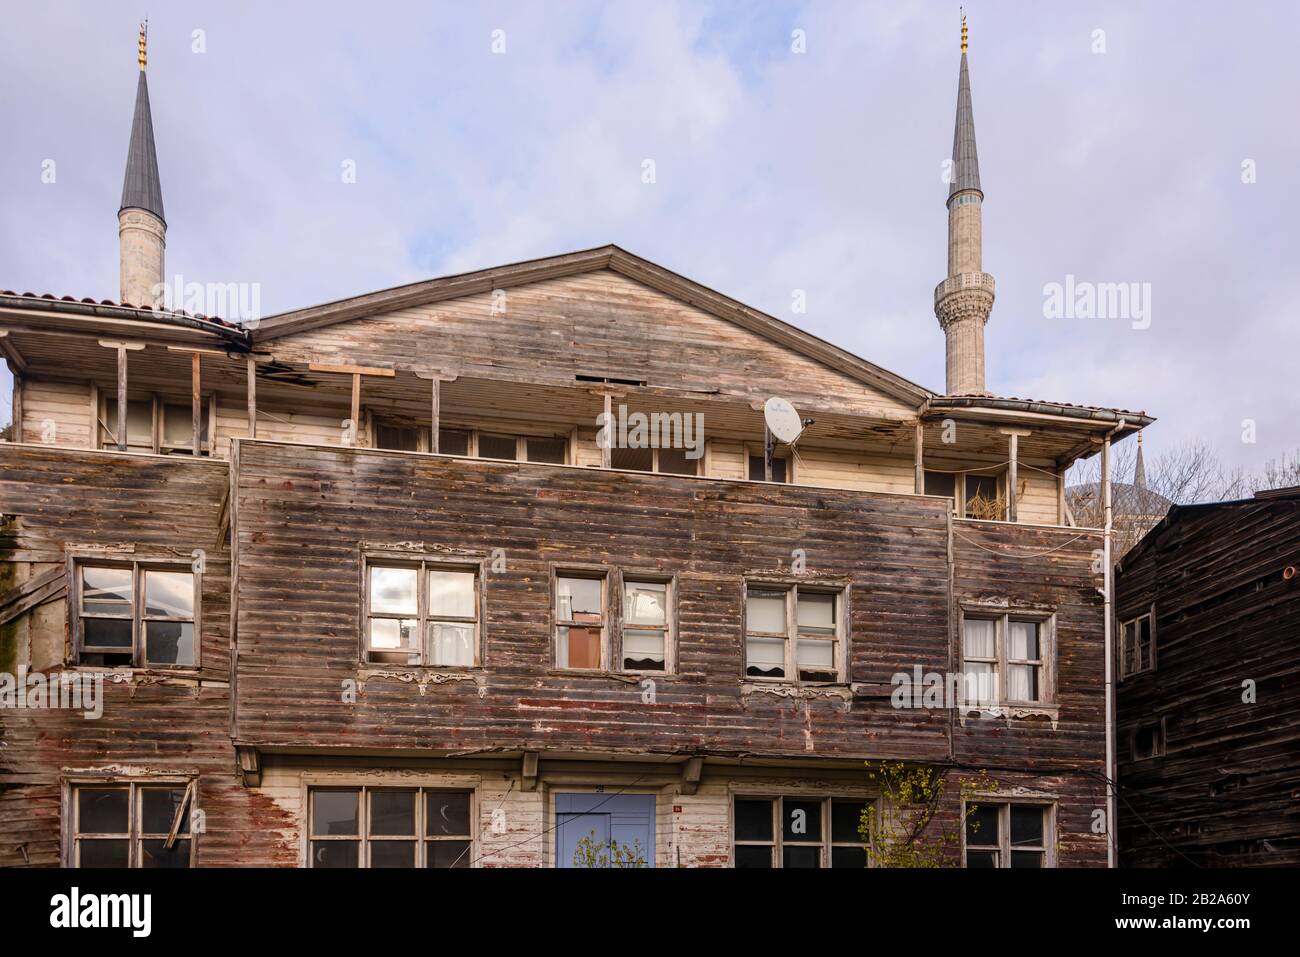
{"x": 422, "y": 613}
{"x": 579, "y": 622}
{"x": 1005, "y": 659}
{"x": 800, "y": 832}
{"x": 793, "y": 631}
{"x": 1147, "y": 741}
{"x": 781, "y": 472}
{"x": 983, "y": 498}
{"x": 1007, "y": 835}
{"x": 1137, "y": 645}
{"x": 389, "y": 827}
{"x": 136, "y": 614}
{"x": 132, "y": 825}
{"x": 155, "y": 424}
{"x": 646, "y": 625}
{"x": 664, "y": 461}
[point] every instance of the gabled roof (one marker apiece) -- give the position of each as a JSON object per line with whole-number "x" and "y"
{"x": 141, "y": 188}
{"x": 608, "y": 257}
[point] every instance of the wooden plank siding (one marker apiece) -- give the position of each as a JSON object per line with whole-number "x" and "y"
{"x": 154, "y": 723}
{"x": 1226, "y": 790}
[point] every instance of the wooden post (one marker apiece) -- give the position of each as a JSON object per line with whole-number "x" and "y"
{"x": 196, "y": 406}
{"x": 920, "y": 462}
{"x": 1013, "y": 441}
{"x": 16, "y": 431}
{"x": 252, "y": 398}
{"x": 767, "y": 454}
{"x": 121, "y": 398}
{"x": 435, "y": 414}
{"x": 607, "y": 449}
{"x": 356, "y": 407}
{"x": 1060, "y": 495}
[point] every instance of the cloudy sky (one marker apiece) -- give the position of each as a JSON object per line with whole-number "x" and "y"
{"x": 1114, "y": 139}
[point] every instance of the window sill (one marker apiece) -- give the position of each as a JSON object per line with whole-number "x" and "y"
{"x": 791, "y": 689}
{"x": 131, "y": 672}
{"x": 625, "y": 676}
{"x": 1010, "y": 711}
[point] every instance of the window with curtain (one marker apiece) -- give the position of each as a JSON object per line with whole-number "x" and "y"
{"x": 794, "y": 633}
{"x": 1006, "y": 659}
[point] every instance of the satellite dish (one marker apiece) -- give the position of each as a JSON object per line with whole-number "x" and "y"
{"x": 782, "y": 419}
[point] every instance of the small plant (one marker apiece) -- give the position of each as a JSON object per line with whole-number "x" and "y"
{"x": 591, "y": 852}
{"x": 989, "y": 509}
{"x": 898, "y": 829}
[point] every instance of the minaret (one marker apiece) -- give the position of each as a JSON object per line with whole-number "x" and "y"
{"x": 963, "y": 301}
{"x": 142, "y": 230}
{"x": 1139, "y": 467}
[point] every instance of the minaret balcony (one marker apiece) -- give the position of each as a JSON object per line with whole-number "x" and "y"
{"x": 981, "y": 281}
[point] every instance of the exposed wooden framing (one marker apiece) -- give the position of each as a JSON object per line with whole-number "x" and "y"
{"x": 250, "y": 765}
{"x": 528, "y": 771}
{"x": 1061, "y": 510}
{"x": 47, "y": 586}
{"x": 16, "y": 408}
{"x": 196, "y": 405}
{"x": 11, "y": 352}
{"x": 121, "y": 399}
{"x": 919, "y": 460}
{"x": 435, "y": 413}
{"x": 607, "y": 448}
{"x": 691, "y": 773}
{"x": 351, "y": 370}
{"x": 252, "y": 397}
{"x": 356, "y": 407}
{"x": 1013, "y": 470}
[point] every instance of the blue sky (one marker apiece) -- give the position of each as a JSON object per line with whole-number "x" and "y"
{"x": 775, "y": 171}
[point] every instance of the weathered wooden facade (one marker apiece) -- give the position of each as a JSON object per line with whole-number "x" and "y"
{"x": 288, "y": 696}
{"x": 1209, "y": 692}
{"x": 504, "y": 569}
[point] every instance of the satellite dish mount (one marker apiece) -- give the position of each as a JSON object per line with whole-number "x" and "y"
{"x": 781, "y": 423}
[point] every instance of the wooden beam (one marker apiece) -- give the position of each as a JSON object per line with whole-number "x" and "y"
{"x": 47, "y": 586}
{"x": 250, "y": 765}
{"x": 1013, "y": 441}
{"x": 252, "y": 397}
{"x": 196, "y": 405}
{"x": 356, "y": 407}
{"x": 607, "y": 451}
{"x": 528, "y": 771}
{"x": 919, "y": 463}
{"x": 11, "y": 352}
{"x": 691, "y": 772}
{"x": 16, "y": 406}
{"x": 436, "y": 414}
{"x": 351, "y": 370}
{"x": 121, "y": 398}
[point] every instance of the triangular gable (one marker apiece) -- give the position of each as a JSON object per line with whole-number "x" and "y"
{"x": 593, "y": 260}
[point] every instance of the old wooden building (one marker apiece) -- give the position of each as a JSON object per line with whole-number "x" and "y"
{"x": 1209, "y": 692}
{"x": 465, "y": 572}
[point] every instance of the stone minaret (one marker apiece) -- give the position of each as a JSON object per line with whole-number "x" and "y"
{"x": 963, "y": 301}
{"x": 141, "y": 229}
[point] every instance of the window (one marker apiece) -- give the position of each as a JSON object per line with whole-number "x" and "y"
{"x": 390, "y": 827}
{"x": 781, "y": 471}
{"x": 1147, "y": 741}
{"x": 982, "y": 497}
{"x": 401, "y": 438}
{"x": 793, "y": 631}
{"x": 664, "y": 461}
{"x": 1137, "y": 645}
{"x": 510, "y": 448}
{"x": 646, "y": 625}
{"x": 453, "y": 442}
{"x": 797, "y": 832}
{"x": 155, "y": 424}
{"x": 941, "y": 483}
{"x": 136, "y": 614}
{"x": 1005, "y": 660}
{"x": 131, "y": 825}
{"x": 580, "y": 622}
{"x": 1007, "y": 835}
{"x": 422, "y": 613}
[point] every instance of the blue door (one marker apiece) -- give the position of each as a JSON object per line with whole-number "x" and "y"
{"x": 605, "y": 830}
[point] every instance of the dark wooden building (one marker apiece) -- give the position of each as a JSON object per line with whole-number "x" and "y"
{"x": 463, "y": 572}
{"x": 1209, "y": 692}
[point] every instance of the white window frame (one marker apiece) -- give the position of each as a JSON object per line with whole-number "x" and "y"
{"x": 840, "y": 592}
{"x": 623, "y": 578}
{"x": 138, "y": 566}
{"x": 604, "y": 576}
{"x": 105, "y": 429}
{"x": 423, "y": 564}
{"x": 1002, "y": 618}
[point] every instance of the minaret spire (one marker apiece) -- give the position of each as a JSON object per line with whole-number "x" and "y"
{"x": 142, "y": 228}
{"x": 1139, "y": 467}
{"x": 963, "y": 301}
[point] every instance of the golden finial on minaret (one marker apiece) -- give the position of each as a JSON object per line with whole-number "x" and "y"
{"x": 144, "y": 36}
{"x": 963, "y": 30}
